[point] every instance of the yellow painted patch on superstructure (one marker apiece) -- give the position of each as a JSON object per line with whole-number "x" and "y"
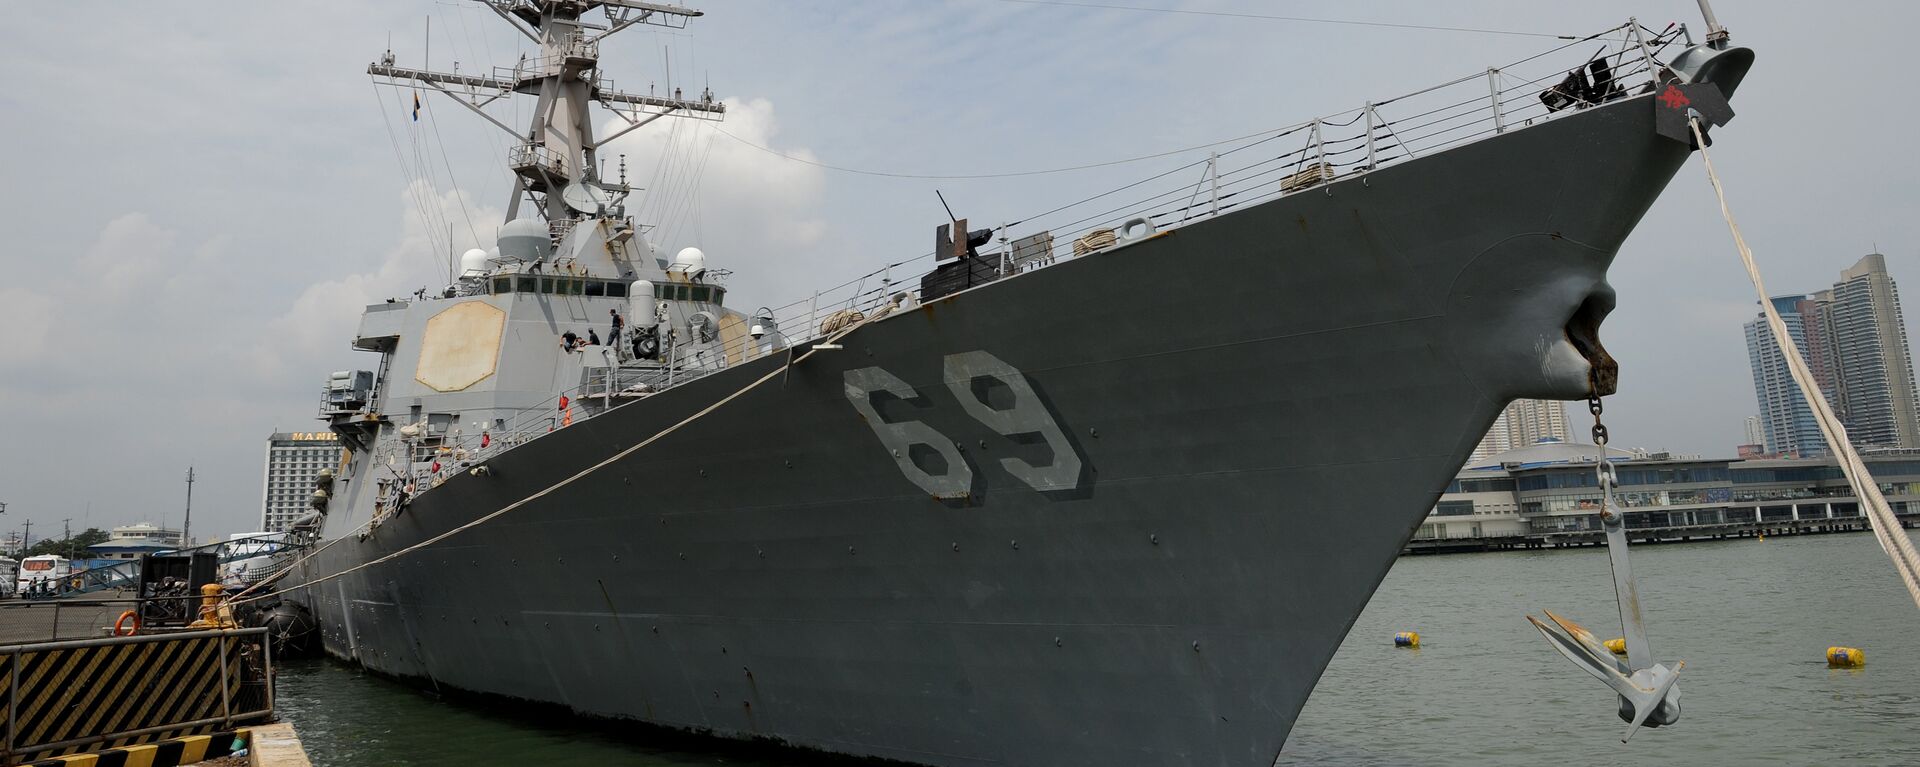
{"x": 733, "y": 338}
{"x": 461, "y": 346}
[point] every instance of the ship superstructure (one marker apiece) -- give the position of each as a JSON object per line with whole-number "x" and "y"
{"x": 1109, "y": 492}
{"x": 503, "y": 354}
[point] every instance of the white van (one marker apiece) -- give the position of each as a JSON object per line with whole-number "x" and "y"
{"x": 9, "y": 571}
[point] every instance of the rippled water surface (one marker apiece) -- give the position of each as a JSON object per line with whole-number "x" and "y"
{"x": 1751, "y": 619}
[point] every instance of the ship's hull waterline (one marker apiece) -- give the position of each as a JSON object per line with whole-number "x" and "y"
{"x": 1265, "y": 405}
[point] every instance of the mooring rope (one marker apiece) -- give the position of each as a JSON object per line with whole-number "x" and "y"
{"x": 242, "y": 598}
{"x": 1886, "y": 527}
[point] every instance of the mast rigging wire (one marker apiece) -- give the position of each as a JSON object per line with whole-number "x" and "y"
{"x": 1009, "y": 174}
{"x": 1301, "y": 19}
{"x": 1576, "y": 40}
{"x": 454, "y": 182}
{"x": 406, "y": 173}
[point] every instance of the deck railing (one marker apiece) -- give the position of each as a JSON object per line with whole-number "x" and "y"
{"x": 1297, "y": 159}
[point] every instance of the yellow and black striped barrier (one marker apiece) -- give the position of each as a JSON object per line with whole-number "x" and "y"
{"x": 170, "y": 752}
{"x": 63, "y": 698}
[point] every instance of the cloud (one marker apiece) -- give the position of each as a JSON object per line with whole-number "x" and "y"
{"x": 128, "y": 293}
{"x": 749, "y": 209}
{"x": 145, "y": 325}
{"x": 27, "y": 316}
{"x": 319, "y": 323}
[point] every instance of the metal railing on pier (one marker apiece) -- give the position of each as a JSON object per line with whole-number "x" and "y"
{"x": 44, "y": 621}
{"x": 94, "y": 693}
{"x": 56, "y": 619}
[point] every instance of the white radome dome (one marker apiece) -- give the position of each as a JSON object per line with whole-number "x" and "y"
{"x": 524, "y": 239}
{"x": 474, "y": 260}
{"x": 692, "y": 260}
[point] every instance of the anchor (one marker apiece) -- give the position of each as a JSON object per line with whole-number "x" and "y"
{"x": 1648, "y": 692}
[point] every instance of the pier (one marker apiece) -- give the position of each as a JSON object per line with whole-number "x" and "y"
{"x": 1547, "y": 496}
{"x": 1669, "y": 534}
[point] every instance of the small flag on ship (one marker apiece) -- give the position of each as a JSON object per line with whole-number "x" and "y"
{"x": 416, "y": 107}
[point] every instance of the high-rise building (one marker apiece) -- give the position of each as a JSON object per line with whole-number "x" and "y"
{"x": 1755, "y": 434}
{"x": 1785, "y": 417}
{"x": 1872, "y": 388}
{"x": 1523, "y": 423}
{"x": 1854, "y": 341}
{"x": 293, "y": 458}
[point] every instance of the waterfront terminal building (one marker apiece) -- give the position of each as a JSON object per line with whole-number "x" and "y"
{"x": 1548, "y": 494}
{"x": 133, "y": 541}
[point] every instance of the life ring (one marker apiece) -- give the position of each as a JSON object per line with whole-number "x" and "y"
{"x": 77, "y": 584}
{"x": 121, "y": 624}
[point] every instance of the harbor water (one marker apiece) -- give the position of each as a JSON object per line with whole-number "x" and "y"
{"x": 1752, "y": 619}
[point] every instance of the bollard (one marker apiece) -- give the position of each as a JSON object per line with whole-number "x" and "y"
{"x": 209, "y": 614}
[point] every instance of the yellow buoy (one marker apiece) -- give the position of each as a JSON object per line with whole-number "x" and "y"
{"x": 1845, "y": 657}
{"x": 1618, "y": 645}
{"x": 1407, "y": 639}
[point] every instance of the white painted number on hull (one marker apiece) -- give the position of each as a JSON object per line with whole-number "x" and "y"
{"x": 900, "y": 436}
{"x": 1027, "y": 415}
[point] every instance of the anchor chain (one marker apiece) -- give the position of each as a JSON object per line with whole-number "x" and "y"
{"x": 1648, "y": 695}
{"x": 1595, "y": 407}
{"x": 1607, "y": 478}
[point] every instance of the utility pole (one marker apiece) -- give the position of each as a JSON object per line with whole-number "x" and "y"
{"x": 66, "y": 534}
{"x": 186, "y": 527}
{"x": 26, "y": 539}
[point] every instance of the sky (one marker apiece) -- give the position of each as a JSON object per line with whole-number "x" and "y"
{"x": 200, "y": 203}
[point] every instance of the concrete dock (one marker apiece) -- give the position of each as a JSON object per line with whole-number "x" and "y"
{"x": 276, "y": 745}
{"x": 23, "y": 621}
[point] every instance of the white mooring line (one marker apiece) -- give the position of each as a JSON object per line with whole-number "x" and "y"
{"x": 1886, "y": 527}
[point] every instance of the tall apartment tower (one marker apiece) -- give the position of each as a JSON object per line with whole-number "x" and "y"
{"x": 1756, "y": 435}
{"x": 293, "y": 458}
{"x": 1854, "y": 340}
{"x": 1523, "y": 423}
{"x": 1872, "y": 387}
{"x": 1785, "y": 417}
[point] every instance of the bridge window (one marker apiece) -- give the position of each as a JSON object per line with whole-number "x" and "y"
{"x": 596, "y": 288}
{"x": 502, "y": 285}
{"x": 529, "y": 285}
{"x": 616, "y": 290}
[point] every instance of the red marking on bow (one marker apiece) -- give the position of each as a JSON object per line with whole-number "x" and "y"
{"x": 1674, "y": 99}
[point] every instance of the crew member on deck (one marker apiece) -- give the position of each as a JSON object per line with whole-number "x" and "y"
{"x": 613, "y": 337}
{"x": 569, "y": 341}
{"x": 593, "y": 339}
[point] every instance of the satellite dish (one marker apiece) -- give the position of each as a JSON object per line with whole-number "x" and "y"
{"x": 583, "y": 198}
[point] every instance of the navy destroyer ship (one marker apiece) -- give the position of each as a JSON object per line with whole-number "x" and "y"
{"x": 1107, "y": 488}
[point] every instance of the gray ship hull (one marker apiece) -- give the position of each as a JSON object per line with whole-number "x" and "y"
{"x": 1265, "y": 406}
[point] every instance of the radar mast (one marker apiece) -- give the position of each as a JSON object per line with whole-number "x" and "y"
{"x": 558, "y": 149}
